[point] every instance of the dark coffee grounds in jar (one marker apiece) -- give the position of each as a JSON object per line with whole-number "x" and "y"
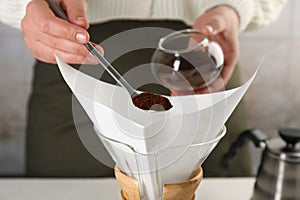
{"x": 149, "y": 101}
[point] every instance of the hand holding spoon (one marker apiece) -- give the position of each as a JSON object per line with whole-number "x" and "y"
{"x": 146, "y": 101}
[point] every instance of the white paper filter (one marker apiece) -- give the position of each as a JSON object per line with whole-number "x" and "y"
{"x": 161, "y": 138}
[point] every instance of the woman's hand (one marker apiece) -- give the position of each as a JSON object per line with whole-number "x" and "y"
{"x": 46, "y": 35}
{"x": 221, "y": 24}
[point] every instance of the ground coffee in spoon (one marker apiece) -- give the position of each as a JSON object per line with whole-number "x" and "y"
{"x": 149, "y": 101}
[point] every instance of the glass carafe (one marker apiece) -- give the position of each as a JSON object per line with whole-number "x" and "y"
{"x": 186, "y": 61}
{"x": 172, "y": 164}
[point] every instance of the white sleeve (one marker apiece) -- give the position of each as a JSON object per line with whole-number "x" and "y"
{"x": 253, "y": 13}
{"x": 12, "y": 12}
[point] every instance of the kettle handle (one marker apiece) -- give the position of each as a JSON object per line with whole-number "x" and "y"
{"x": 255, "y": 135}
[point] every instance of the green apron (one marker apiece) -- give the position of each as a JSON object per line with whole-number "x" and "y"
{"x": 53, "y": 147}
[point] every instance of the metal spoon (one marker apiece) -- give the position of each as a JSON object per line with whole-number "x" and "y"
{"x": 104, "y": 63}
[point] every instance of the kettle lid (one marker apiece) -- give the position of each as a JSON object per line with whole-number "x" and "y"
{"x": 287, "y": 147}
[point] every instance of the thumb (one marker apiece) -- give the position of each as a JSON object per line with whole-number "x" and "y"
{"x": 76, "y": 11}
{"x": 214, "y": 25}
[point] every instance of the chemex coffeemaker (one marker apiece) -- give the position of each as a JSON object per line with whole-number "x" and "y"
{"x": 278, "y": 177}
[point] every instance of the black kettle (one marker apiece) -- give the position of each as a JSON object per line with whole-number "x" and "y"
{"x": 278, "y": 177}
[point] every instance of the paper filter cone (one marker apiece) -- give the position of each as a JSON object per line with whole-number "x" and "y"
{"x": 177, "y": 191}
{"x": 154, "y": 148}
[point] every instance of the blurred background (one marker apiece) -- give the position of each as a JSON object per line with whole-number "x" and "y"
{"x": 272, "y": 102}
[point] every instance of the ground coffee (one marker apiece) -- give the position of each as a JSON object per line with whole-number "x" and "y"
{"x": 149, "y": 101}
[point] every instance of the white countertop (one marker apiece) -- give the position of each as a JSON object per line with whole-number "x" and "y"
{"x": 108, "y": 189}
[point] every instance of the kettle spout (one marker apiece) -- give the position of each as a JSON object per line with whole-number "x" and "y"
{"x": 254, "y": 135}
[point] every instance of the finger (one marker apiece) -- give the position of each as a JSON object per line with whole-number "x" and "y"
{"x": 94, "y": 58}
{"x": 216, "y": 86}
{"x": 46, "y": 54}
{"x": 99, "y": 48}
{"x": 48, "y": 23}
{"x": 230, "y": 48}
{"x": 55, "y": 42}
{"x": 228, "y": 69}
{"x": 58, "y": 43}
{"x": 181, "y": 93}
{"x": 76, "y": 11}
{"x": 207, "y": 30}
{"x": 213, "y": 25}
